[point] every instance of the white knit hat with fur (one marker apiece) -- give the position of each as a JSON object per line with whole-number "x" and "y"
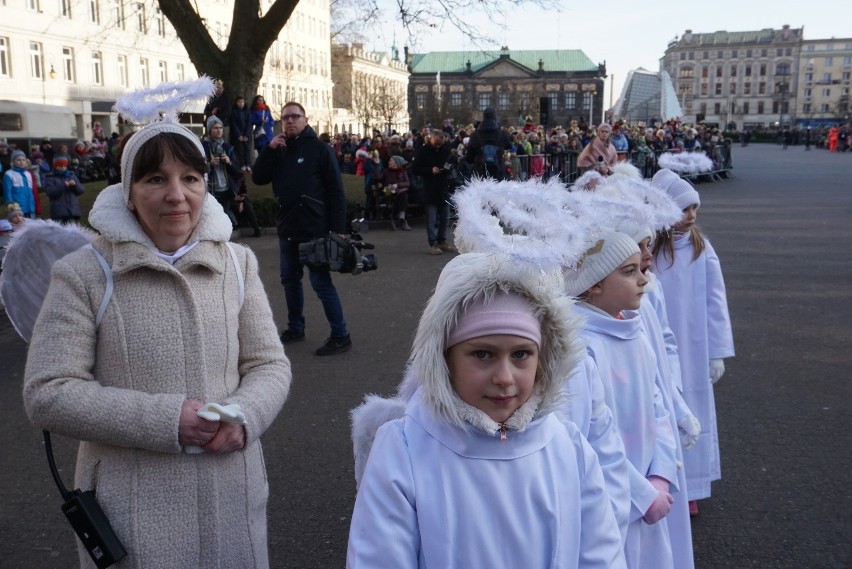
{"x": 682, "y": 192}
{"x": 602, "y": 258}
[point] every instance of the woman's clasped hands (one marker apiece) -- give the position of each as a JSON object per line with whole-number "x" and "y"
{"x": 211, "y": 436}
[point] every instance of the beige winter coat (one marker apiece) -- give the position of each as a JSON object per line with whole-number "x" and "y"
{"x": 170, "y": 333}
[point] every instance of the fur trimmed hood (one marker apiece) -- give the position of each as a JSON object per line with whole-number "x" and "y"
{"x": 473, "y": 276}
{"x": 112, "y": 218}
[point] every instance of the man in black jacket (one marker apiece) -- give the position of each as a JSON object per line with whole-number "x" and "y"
{"x": 486, "y": 147}
{"x": 306, "y": 182}
{"x": 431, "y": 162}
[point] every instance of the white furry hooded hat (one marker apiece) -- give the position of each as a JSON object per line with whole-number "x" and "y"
{"x": 476, "y": 276}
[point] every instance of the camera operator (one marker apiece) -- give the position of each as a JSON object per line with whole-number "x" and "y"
{"x": 221, "y": 181}
{"x": 306, "y": 181}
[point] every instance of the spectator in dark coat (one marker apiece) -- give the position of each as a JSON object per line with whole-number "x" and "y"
{"x": 241, "y": 128}
{"x": 63, "y": 188}
{"x": 431, "y": 163}
{"x": 486, "y": 147}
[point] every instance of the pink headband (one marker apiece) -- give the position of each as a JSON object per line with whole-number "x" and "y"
{"x": 505, "y": 314}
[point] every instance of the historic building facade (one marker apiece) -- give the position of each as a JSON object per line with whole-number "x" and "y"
{"x": 552, "y": 86}
{"x": 370, "y": 90}
{"x": 737, "y": 79}
{"x": 825, "y": 70}
{"x": 83, "y": 55}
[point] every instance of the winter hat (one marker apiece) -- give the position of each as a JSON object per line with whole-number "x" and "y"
{"x": 681, "y": 191}
{"x": 398, "y": 161}
{"x": 489, "y": 114}
{"x": 213, "y": 121}
{"x": 60, "y": 160}
{"x": 12, "y": 208}
{"x": 18, "y": 154}
{"x": 602, "y": 258}
{"x": 362, "y": 153}
{"x": 504, "y": 314}
{"x": 158, "y": 106}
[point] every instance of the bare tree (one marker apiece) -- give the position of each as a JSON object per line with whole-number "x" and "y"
{"x": 364, "y": 95}
{"x": 390, "y": 102}
{"x": 240, "y": 64}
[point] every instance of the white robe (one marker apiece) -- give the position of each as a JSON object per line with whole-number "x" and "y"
{"x": 698, "y": 315}
{"x": 438, "y": 496}
{"x": 628, "y": 369}
{"x": 586, "y": 408}
{"x": 653, "y": 313}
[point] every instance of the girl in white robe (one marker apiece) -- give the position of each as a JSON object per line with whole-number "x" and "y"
{"x": 689, "y": 271}
{"x": 479, "y": 472}
{"x": 610, "y": 284}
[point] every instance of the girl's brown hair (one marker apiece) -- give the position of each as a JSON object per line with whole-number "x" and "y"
{"x": 664, "y": 245}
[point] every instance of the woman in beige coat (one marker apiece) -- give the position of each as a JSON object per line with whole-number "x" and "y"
{"x": 174, "y": 336}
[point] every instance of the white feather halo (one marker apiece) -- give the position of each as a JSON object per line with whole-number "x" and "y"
{"x": 588, "y": 181}
{"x": 665, "y": 212}
{"x": 686, "y": 162}
{"x": 526, "y": 220}
{"x": 163, "y": 102}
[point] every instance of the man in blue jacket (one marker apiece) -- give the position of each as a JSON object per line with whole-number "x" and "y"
{"x": 306, "y": 182}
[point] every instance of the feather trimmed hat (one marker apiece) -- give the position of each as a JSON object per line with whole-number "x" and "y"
{"x": 678, "y": 189}
{"x": 158, "y": 107}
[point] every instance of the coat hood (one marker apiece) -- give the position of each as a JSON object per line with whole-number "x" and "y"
{"x": 112, "y": 218}
{"x": 473, "y": 276}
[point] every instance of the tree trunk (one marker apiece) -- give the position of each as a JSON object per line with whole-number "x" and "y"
{"x": 240, "y": 64}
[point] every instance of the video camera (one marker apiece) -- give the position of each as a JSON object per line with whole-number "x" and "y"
{"x": 338, "y": 254}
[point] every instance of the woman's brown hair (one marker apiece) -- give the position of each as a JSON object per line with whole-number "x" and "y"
{"x": 151, "y": 154}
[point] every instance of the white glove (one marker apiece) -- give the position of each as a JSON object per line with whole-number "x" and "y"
{"x": 690, "y": 429}
{"x": 717, "y": 370}
{"x": 215, "y": 412}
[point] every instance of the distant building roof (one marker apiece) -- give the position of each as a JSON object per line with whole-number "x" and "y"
{"x": 456, "y": 61}
{"x": 723, "y": 38}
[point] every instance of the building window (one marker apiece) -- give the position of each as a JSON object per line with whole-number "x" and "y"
{"x": 164, "y": 71}
{"x": 825, "y": 108}
{"x": 34, "y": 5}
{"x": 141, "y": 24}
{"x": 36, "y": 60}
{"x": 733, "y": 70}
{"x": 747, "y": 88}
{"x": 706, "y": 55}
{"x": 717, "y": 108}
{"x": 118, "y": 13}
{"x": 761, "y": 88}
{"x": 65, "y": 8}
{"x": 420, "y": 101}
{"x": 122, "y": 70}
{"x": 720, "y": 55}
{"x": 686, "y": 72}
{"x": 68, "y": 64}
{"x": 826, "y": 92}
{"x": 808, "y": 92}
{"x": 748, "y": 53}
{"x": 846, "y": 75}
{"x": 704, "y": 89}
{"x": 97, "y": 68}
{"x": 683, "y": 56}
{"x": 94, "y": 12}
{"x": 810, "y": 47}
{"x": 733, "y": 54}
{"x": 760, "y": 107}
{"x": 826, "y": 77}
{"x": 718, "y": 89}
{"x": 143, "y": 71}
{"x": 763, "y": 70}
{"x": 484, "y": 101}
{"x": 806, "y": 108}
{"x": 587, "y": 100}
{"x": 763, "y": 53}
{"x": 733, "y": 89}
{"x": 748, "y": 70}
{"x": 179, "y": 72}
{"x": 5, "y": 69}
{"x": 788, "y": 52}
{"x": 504, "y": 101}
{"x": 779, "y": 52}
{"x": 809, "y": 77}
{"x": 745, "y": 107}
{"x": 782, "y": 69}
{"x": 829, "y": 61}
{"x": 570, "y": 101}
{"x": 847, "y": 60}
{"x": 161, "y": 22}
{"x": 705, "y": 71}
{"x": 691, "y": 55}
{"x": 456, "y": 99}
{"x": 718, "y": 71}
{"x": 703, "y": 108}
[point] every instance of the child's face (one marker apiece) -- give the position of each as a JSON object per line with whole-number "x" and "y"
{"x": 622, "y": 289}
{"x": 494, "y": 373}
{"x": 16, "y": 218}
{"x": 20, "y": 162}
{"x": 686, "y": 223}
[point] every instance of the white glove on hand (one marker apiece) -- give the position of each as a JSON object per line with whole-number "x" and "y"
{"x": 215, "y": 412}
{"x": 717, "y": 370}
{"x": 690, "y": 429}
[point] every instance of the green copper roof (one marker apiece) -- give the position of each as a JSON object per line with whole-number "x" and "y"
{"x": 456, "y": 61}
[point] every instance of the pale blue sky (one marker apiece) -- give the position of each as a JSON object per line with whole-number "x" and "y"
{"x": 634, "y": 34}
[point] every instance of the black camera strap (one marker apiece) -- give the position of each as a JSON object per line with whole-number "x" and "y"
{"x": 48, "y": 448}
